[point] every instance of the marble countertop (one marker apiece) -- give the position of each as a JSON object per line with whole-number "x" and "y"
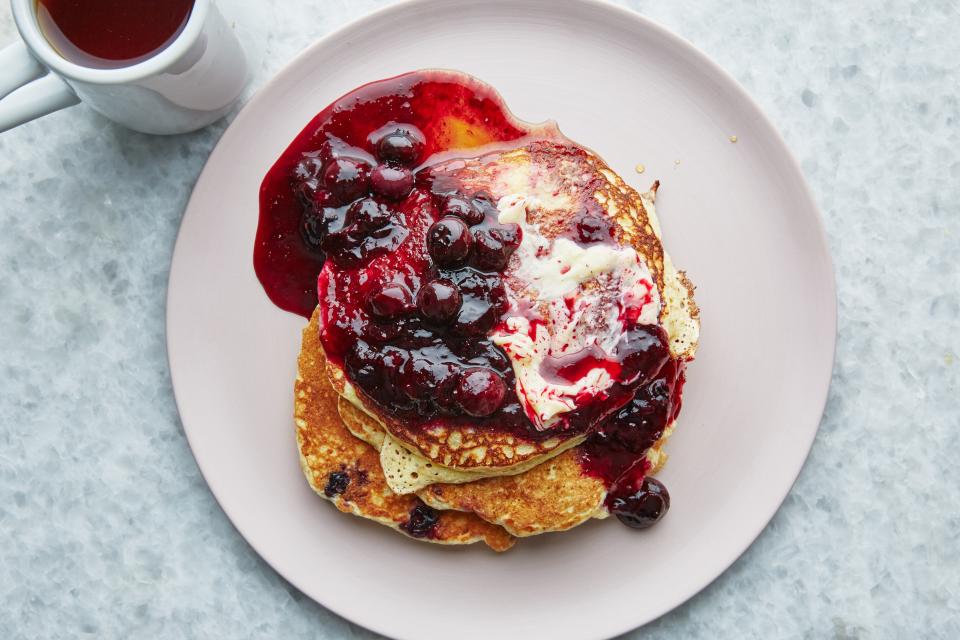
{"x": 108, "y": 530}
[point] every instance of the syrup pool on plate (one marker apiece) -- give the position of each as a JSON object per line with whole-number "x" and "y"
{"x": 354, "y": 200}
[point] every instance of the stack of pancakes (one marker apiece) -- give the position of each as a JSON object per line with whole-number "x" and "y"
{"x": 452, "y": 484}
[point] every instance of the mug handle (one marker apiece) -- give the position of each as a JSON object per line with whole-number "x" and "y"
{"x": 25, "y": 92}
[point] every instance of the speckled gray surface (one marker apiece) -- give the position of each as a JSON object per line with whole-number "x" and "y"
{"x": 107, "y": 529}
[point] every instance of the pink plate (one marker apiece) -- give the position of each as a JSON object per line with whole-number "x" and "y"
{"x": 738, "y": 217}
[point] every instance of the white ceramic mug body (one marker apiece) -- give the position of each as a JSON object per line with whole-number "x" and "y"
{"x": 187, "y": 85}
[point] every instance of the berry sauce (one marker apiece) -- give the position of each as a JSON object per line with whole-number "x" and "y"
{"x": 614, "y": 452}
{"x": 407, "y": 265}
{"x": 448, "y": 110}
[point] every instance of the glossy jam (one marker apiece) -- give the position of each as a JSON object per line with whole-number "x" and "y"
{"x": 451, "y": 114}
{"x": 409, "y": 364}
{"x": 407, "y": 265}
{"x": 614, "y": 452}
{"x": 111, "y": 33}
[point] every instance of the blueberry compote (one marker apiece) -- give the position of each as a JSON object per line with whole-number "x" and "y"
{"x": 408, "y": 266}
{"x": 383, "y": 131}
{"x": 407, "y": 305}
{"x": 615, "y": 452}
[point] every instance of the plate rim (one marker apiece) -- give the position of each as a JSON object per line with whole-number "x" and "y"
{"x": 638, "y": 20}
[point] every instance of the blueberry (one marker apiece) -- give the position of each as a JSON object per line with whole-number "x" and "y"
{"x": 306, "y": 177}
{"x": 346, "y": 179}
{"x": 394, "y": 183}
{"x": 480, "y": 391}
{"x": 309, "y": 167}
{"x": 449, "y": 241}
{"x": 475, "y": 318}
{"x": 493, "y": 247}
{"x": 367, "y": 214}
{"x": 422, "y": 521}
{"x": 439, "y": 300}
{"x": 643, "y": 508}
{"x": 364, "y": 365}
{"x": 462, "y": 208}
{"x": 423, "y": 378}
{"x": 391, "y": 301}
{"x": 403, "y": 146}
{"x": 336, "y": 483}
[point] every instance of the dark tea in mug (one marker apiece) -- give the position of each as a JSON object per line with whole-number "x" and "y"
{"x": 108, "y": 34}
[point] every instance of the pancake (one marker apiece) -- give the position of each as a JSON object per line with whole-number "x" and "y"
{"x": 562, "y": 177}
{"x": 346, "y": 471}
{"x": 553, "y": 496}
{"x": 557, "y": 494}
{"x": 405, "y": 468}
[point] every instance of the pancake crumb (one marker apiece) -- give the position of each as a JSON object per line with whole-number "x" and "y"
{"x": 733, "y": 139}
{"x": 640, "y": 168}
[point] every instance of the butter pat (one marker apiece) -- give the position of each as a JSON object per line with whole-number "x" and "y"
{"x": 567, "y": 282}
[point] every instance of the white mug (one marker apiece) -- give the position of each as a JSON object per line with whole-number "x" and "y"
{"x": 192, "y": 82}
